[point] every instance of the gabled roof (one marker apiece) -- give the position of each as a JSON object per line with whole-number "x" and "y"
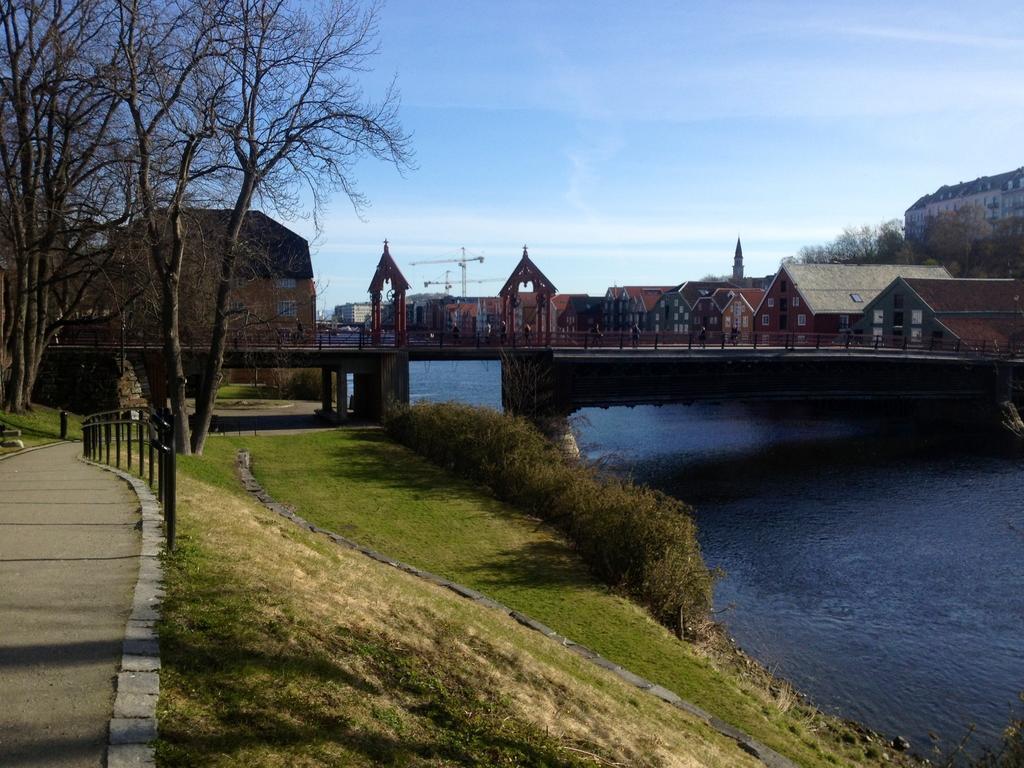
{"x": 722, "y": 297}
{"x": 563, "y": 301}
{"x": 692, "y": 290}
{"x": 752, "y": 296}
{"x": 527, "y": 272}
{"x": 614, "y": 292}
{"x": 646, "y": 296}
{"x": 388, "y": 271}
{"x": 272, "y": 250}
{"x": 706, "y": 303}
{"x": 831, "y": 287}
{"x": 969, "y": 295}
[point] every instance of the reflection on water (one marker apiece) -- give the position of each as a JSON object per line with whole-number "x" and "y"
{"x": 880, "y": 571}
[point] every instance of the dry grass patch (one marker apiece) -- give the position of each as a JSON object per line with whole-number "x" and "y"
{"x": 283, "y": 649}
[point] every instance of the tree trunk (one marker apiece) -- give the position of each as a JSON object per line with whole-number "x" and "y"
{"x": 15, "y": 390}
{"x": 207, "y": 395}
{"x": 174, "y": 364}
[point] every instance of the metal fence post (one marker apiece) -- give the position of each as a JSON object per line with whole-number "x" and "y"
{"x": 171, "y": 497}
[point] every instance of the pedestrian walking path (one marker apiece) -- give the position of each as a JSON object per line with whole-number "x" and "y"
{"x": 69, "y": 559}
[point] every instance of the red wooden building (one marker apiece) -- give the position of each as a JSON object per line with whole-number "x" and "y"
{"x": 827, "y": 298}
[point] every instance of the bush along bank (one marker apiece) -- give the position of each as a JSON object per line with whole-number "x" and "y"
{"x": 639, "y": 541}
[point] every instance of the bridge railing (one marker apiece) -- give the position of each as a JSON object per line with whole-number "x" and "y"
{"x": 322, "y": 338}
{"x": 109, "y": 437}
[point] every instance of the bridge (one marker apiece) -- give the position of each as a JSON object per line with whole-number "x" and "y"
{"x": 561, "y": 373}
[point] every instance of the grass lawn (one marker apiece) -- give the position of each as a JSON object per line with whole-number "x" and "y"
{"x": 280, "y": 649}
{"x": 39, "y": 426}
{"x": 358, "y": 483}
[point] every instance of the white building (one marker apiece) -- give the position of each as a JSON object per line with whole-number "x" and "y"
{"x": 352, "y": 314}
{"x": 997, "y": 197}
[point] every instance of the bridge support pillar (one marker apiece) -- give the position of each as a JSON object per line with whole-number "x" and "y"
{"x": 381, "y": 383}
{"x": 325, "y": 391}
{"x": 342, "y": 393}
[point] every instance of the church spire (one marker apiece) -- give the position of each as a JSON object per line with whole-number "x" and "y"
{"x": 737, "y": 262}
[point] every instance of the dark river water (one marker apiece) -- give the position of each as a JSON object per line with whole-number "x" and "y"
{"x": 881, "y": 571}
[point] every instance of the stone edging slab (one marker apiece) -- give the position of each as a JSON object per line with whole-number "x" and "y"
{"x": 765, "y": 754}
{"x": 133, "y": 728}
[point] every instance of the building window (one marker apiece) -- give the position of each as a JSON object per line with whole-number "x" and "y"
{"x": 876, "y": 331}
{"x": 856, "y": 299}
{"x": 796, "y": 301}
{"x": 782, "y": 305}
{"x": 915, "y": 334}
{"x": 915, "y": 316}
{"x": 285, "y": 282}
{"x": 897, "y": 319}
{"x": 764, "y": 320}
{"x": 897, "y": 300}
{"x": 771, "y": 303}
{"x": 801, "y": 319}
{"x": 844, "y": 322}
{"x": 287, "y": 309}
{"x": 879, "y": 316}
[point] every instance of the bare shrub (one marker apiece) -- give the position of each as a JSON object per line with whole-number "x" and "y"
{"x": 636, "y": 539}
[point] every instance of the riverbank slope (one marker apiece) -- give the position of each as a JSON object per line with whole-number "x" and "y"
{"x": 361, "y": 485}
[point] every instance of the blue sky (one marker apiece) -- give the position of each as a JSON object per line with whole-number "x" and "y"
{"x": 630, "y": 143}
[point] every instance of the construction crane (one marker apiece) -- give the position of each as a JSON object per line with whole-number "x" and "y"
{"x": 461, "y": 261}
{"x": 447, "y": 282}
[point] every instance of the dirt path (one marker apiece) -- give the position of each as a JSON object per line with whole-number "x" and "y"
{"x": 68, "y": 564}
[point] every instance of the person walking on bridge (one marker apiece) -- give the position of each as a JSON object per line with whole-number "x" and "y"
{"x": 635, "y": 333}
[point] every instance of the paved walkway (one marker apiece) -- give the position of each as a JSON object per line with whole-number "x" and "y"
{"x": 69, "y": 559}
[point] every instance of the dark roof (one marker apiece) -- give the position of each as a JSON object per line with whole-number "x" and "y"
{"x": 694, "y": 289}
{"x": 989, "y": 330}
{"x": 995, "y": 183}
{"x": 965, "y": 295}
{"x": 273, "y": 249}
{"x": 586, "y": 303}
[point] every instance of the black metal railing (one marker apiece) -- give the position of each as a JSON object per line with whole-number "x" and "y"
{"x": 560, "y": 338}
{"x": 140, "y": 441}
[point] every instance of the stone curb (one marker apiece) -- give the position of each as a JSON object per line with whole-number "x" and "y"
{"x": 133, "y": 727}
{"x": 747, "y": 743}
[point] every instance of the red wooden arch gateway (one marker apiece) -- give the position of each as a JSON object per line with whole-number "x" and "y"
{"x": 388, "y": 272}
{"x": 525, "y": 273}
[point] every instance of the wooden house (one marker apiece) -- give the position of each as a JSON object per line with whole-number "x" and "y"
{"x": 940, "y": 313}
{"x": 828, "y": 298}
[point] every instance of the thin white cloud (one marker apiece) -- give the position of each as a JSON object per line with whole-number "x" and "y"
{"x": 918, "y": 35}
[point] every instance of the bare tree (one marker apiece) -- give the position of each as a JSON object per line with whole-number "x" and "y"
{"x": 295, "y": 122}
{"x": 170, "y": 80}
{"x": 59, "y": 160}
{"x": 951, "y": 237}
